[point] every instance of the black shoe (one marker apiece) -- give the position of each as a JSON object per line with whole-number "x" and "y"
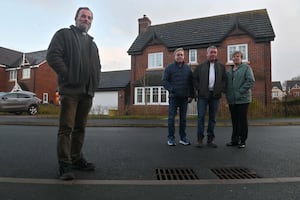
{"x": 65, "y": 172}
{"x": 232, "y": 144}
{"x": 83, "y": 165}
{"x": 242, "y": 146}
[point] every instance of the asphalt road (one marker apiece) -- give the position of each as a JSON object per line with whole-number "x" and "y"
{"x": 127, "y": 159}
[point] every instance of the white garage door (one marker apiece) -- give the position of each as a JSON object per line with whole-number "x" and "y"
{"x": 104, "y": 101}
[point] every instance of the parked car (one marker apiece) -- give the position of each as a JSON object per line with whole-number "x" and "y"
{"x": 18, "y": 102}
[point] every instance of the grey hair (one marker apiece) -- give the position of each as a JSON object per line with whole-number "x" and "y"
{"x": 211, "y": 47}
{"x": 178, "y": 49}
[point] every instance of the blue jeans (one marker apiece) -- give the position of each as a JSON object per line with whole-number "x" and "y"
{"x": 74, "y": 112}
{"x": 202, "y": 104}
{"x": 174, "y": 103}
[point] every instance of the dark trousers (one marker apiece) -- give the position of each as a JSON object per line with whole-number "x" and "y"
{"x": 239, "y": 122}
{"x": 73, "y": 117}
{"x": 182, "y": 104}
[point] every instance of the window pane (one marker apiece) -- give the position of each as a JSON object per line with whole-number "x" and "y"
{"x": 139, "y": 95}
{"x": 193, "y": 55}
{"x": 159, "y": 59}
{"x": 151, "y": 60}
{"x": 155, "y": 60}
{"x": 26, "y": 73}
{"x": 13, "y": 75}
{"x": 155, "y": 95}
{"x": 163, "y": 95}
{"x": 147, "y": 93}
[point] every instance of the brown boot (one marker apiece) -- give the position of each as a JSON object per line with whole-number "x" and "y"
{"x": 200, "y": 142}
{"x": 210, "y": 142}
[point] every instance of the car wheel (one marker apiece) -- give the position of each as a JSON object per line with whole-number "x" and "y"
{"x": 32, "y": 110}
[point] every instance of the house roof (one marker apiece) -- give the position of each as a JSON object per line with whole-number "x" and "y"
{"x": 202, "y": 32}
{"x": 292, "y": 83}
{"x": 37, "y": 57}
{"x": 114, "y": 80}
{"x": 151, "y": 78}
{"x": 277, "y": 84}
{"x": 11, "y": 58}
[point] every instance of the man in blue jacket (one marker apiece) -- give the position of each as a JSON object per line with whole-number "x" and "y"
{"x": 74, "y": 56}
{"x": 178, "y": 80}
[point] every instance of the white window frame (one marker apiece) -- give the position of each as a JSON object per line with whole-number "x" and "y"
{"x": 237, "y": 47}
{"x": 155, "y": 60}
{"x": 13, "y": 75}
{"x": 26, "y": 73}
{"x": 275, "y": 94}
{"x": 45, "y": 98}
{"x": 141, "y": 98}
{"x": 193, "y": 52}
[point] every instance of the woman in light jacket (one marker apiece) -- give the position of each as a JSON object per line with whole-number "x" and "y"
{"x": 240, "y": 81}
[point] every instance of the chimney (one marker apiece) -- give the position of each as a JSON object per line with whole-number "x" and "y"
{"x": 144, "y": 23}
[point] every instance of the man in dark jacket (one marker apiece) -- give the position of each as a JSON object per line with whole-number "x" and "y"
{"x": 178, "y": 80}
{"x": 74, "y": 56}
{"x": 209, "y": 81}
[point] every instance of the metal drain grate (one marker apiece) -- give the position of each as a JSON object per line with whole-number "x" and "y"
{"x": 235, "y": 173}
{"x": 175, "y": 174}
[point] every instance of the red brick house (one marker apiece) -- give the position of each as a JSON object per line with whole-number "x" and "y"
{"x": 293, "y": 89}
{"x": 250, "y": 31}
{"x": 30, "y": 71}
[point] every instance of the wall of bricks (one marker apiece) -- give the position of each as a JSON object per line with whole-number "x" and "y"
{"x": 46, "y": 82}
{"x": 2, "y": 79}
{"x": 148, "y": 110}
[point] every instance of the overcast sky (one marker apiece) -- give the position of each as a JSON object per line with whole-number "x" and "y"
{"x": 28, "y": 25}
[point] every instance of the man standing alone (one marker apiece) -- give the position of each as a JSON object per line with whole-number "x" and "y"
{"x": 210, "y": 81}
{"x": 178, "y": 80}
{"x": 74, "y": 56}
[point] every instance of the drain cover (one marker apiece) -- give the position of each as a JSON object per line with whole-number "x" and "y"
{"x": 175, "y": 174}
{"x": 235, "y": 173}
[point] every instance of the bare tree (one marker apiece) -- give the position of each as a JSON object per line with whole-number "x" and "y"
{"x": 296, "y": 78}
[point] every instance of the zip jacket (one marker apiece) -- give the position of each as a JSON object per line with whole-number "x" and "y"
{"x": 239, "y": 84}
{"x": 201, "y": 79}
{"x": 178, "y": 80}
{"x": 65, "y": 58}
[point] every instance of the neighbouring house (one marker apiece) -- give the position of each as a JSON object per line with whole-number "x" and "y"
{"x": 152, "y": 50}
{"x": 293, "y": 89}
{"x": 113, "y": 93}
{"x": 29, "y": 71}
{"x": 277, "y": 91}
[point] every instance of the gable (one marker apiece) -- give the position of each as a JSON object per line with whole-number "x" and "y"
{"x": 202, "y": 32}
{"x": 293, "y": 84}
